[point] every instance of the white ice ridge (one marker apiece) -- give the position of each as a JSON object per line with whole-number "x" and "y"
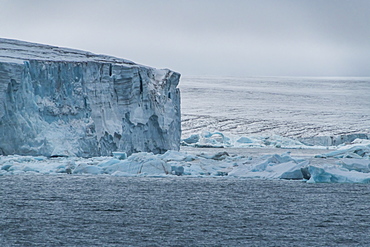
{"x": 349, "y": 164}
{"x": 64, "y": 102}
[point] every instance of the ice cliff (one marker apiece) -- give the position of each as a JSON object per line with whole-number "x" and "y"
{"x": 63, "y": 102}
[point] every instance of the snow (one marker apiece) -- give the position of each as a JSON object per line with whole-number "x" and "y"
{"x": 16, "y": 51}
{"x": 319, "y": 169}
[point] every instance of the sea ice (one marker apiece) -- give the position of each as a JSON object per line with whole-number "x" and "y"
{"x": 333, "y": 167}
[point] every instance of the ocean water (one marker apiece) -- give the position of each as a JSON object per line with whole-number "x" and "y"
{"x": 119, "y": 211}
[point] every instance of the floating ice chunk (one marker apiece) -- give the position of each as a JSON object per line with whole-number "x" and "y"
{"x": 3, "y": 172}
{"x": 191, "y": 140}
{"x": 360, "y": 165}
{"x": 205, "y": 166}
{"x": 156, "y": 166}
{"x": 29, "y": 169}
{"x": 6, "y": 167}
{"x": 107, "y": 163}
{"x": 353, "y": 151}
{"x": 172, "y": 155}
{"x": 296, "y": 171}
{"x": 222, "y": 173}
{"x": 177, "y": 170}
{"x": 336, "y": 174}
{"x": 244, "y": 140}
{"x": 208, "y": 139}
{"x": 87, "y": 169}
{"x": 40, "y": 158}
{"x": 123, "y": 166}
{"x": 140, "y": 163}
{"x": 217, "y": 156}
{"x": 270, "y": 166}
{"x": 286, "y": 170}
{"x": 119, "y": 155}
{"x": 196, "y": 169}
{"x": 272, "y": 160}
{"x": 220, "y": 156}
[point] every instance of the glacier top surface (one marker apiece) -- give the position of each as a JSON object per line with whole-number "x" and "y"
{"x": 15, "y": 51}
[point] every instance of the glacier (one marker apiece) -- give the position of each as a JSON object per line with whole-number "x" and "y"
{"x": 59, "y": 102}
{"x": 67, "y": 112}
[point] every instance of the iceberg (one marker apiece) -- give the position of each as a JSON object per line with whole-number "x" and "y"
{"x": 348, "y": 164}
{"x": 359, "y": 148}
{"x": 333, "y": 174}
{"x": 59, "y": 102}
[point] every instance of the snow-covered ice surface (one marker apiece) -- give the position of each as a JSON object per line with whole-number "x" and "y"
{"x": 316, "y": 111}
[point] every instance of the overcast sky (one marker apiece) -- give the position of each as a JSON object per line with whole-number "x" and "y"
{"x": 205, "y": 37}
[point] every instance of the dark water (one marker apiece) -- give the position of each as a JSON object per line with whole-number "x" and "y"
{"x": 113, "y": 211}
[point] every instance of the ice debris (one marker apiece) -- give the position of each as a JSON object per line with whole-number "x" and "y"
{"x": 327, "y": 168}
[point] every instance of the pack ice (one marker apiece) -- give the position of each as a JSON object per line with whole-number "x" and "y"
{"x": 63, "y": 102}
{"x": 348, "y": 164}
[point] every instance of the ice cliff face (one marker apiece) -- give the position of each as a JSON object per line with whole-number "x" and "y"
{"x": 63, "y": 102}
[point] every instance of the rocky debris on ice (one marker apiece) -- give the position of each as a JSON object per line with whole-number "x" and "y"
{"x": 174, "y": 163}
{"x": 59, "y": 102}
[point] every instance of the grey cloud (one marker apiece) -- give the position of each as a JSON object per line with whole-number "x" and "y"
{"x": 209, "y": 37}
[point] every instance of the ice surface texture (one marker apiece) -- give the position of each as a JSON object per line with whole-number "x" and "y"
{"x": 63, "y": 102}
{"x": 313, "y": 111}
